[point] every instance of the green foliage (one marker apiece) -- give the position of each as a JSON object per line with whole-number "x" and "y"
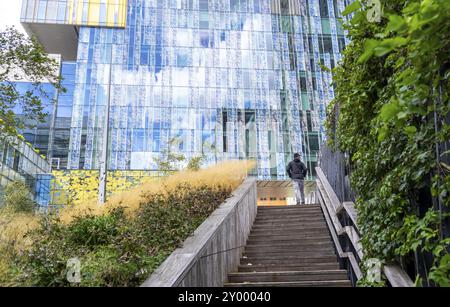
{"x": 170, "y": 159}
{"x": 392, "y": 81}
{"x": 440, "y": 273}
{"x": 364, "y": 283}
{"x": 91, "y": 231}
{"x": 18, "y": 198}
{"x": 115, "y": 249}
{"x": 354, "y": 6}
{"x": 21, "y": 57}
{"x": 195, "y": 163}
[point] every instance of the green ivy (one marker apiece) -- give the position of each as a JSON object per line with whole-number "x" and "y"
{"x": 391, "y": 84}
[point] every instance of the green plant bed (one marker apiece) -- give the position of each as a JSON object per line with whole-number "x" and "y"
{"x": 118, "y": 249}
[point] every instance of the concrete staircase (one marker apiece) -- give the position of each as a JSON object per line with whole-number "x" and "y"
{"x": 289, "y": 246}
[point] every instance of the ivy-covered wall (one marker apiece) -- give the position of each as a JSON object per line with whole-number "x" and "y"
{"x": 393, "y": 119}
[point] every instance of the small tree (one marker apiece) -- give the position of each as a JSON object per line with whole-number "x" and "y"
{"x": 195, "y": 163}
{"x": 23, "y": 58}
{"x": 18, "y": 198}
{"x": 169, "y": 159}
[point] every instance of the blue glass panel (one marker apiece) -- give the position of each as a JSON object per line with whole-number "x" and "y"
{"x": 191, "y": 69}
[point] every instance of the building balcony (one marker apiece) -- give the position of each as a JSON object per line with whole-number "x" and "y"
{"x": 56, "y": 23}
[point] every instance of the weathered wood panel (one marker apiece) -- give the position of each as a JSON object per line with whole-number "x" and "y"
{"x": 396, "y": 276}
{"x": 214, "y": 250}
{"x": 332, "y": 208}
{"x": 351, "y": 211}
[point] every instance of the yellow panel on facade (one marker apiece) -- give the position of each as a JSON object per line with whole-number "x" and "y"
{"x": 111, "y": 14}
{"x": 103, "y": 13}
{"x": 70, "y": 10}
{"x": 123, "y": 9}
{"x": 79, "y": 11}
{"x": 94, "y": 14}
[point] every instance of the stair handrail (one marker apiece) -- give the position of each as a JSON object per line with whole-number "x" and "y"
{"x": 333, "y": 208}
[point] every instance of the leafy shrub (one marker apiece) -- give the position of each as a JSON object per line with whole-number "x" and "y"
{"x": 115, "y": 249}
{"x": 45, "y": 263}
{"x": 91, "y": 230}
{"x": 195, "y": 163}
{"x": 166, "y": 218}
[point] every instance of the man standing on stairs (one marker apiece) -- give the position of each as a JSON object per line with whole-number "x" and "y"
{"x": 297, "y": 171}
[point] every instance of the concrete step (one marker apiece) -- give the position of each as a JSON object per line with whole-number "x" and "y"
{"x": 292, "y": 217}
{"x": 284, "y": 255}
{"x": 284, "y": 208}
{"x": 287, "y": 212}
{"x": 289, "y": 253}
{"x": 288, "y": 245}
{"x": 299, "y": 260}
{"x": 289, "y": 225}
{"x": 311, "y": 236}
{"x": 326, "y": 275}
{"x": 289, "y": 230}
{"x": 300, "y": 226}
{"x": 289, "y": 209}
{"x": 304, "y": 234}
{"x": 298, "y": 242}
{"x": 289, "y": 218}
{"x": 330, "y": 283}
{"x": 289, "y": 267}
{"x": 289, "y": 222}
{"x": 282, "y": 252}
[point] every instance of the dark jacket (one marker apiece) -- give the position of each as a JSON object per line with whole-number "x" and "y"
{"x": 297, "y": 170}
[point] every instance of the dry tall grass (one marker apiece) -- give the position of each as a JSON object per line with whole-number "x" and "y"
{"x": 13, "y": 228}
{"x": 228, "y": 174}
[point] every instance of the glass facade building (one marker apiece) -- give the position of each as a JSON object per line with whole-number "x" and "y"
{"x": 37, "y": 133}
{"x": 228, "y": 79}
{"x": 50, "y": 137}
{"x": 63, "y": 117}
{"x": 20, "y": 162}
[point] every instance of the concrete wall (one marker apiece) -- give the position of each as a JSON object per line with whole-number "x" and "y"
{"x": 281, "y": 192}
{"x": 214, "y": 250}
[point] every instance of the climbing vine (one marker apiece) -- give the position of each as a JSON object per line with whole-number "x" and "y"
{"x": 392, "y": 89}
